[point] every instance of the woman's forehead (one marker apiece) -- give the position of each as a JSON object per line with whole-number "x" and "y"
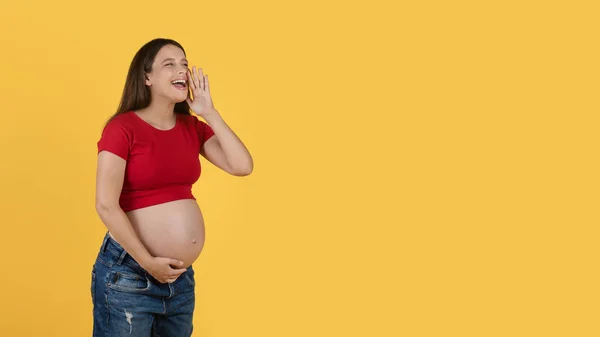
{"x": 170, "y": 51}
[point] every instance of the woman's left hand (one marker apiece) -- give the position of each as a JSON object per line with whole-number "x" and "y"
{"x": 202, "y": 105}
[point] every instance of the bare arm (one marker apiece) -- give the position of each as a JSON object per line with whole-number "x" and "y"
{"x": 225, "y": 150}
{"x": 109, "y": 182}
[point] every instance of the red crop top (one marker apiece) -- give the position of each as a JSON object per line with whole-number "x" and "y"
{"x": 162, "y": 165}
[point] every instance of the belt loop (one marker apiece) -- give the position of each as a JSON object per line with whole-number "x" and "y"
{"x": 104, "y": 242}
{"x": 122, "y": 257}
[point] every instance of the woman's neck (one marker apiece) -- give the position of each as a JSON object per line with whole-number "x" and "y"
{"x": 159, "y": 112}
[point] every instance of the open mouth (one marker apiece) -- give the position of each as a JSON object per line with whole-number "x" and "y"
{"x": 179, "y": 84}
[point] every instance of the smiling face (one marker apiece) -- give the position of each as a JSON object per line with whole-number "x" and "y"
{"x": 168, "y": 78}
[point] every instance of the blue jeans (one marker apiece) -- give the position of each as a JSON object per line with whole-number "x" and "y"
{"x": 128, "y": 301}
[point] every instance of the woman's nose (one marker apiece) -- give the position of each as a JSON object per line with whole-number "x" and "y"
{"x": 182, "y": 69}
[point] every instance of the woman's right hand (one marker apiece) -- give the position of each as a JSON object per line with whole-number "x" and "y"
{"x": 165, "y": 269}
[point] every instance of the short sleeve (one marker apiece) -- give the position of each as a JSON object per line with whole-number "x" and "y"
{"x": 114, "y": 139}
{"x": 203, "y": 130}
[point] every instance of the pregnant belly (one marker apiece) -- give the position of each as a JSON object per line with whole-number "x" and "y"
{"x": 173, "y": 229}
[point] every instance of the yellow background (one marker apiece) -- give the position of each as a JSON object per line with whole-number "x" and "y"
{"x": 422, "y": 168}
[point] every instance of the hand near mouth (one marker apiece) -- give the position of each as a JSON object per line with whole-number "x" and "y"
{"x": 202, "y": 104}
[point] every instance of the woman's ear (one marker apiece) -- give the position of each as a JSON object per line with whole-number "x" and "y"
{"x": 148, "y": 83}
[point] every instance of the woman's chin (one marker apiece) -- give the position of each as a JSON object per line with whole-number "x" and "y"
{"x": 179, "y": 98}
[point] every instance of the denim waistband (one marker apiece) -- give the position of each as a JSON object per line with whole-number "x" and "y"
{"x": 113, "y": 252}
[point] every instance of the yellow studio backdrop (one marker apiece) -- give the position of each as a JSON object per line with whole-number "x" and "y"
{"x": 422, "y": 168}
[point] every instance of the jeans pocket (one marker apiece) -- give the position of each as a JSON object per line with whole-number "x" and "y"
{"x": 128, "y": 282}
{"x": 189, "y": 276}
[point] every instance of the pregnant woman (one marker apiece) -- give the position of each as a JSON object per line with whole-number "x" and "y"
{"x": 148, "y": 159}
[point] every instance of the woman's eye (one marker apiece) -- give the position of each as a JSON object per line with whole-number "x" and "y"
{"x": 169, "y": 64}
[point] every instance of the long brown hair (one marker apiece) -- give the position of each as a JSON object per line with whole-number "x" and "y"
{"x": 136, "y": 95}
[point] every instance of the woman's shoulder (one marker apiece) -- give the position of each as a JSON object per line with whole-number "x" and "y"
{"x": 189, "y": 120}
{"x": 120, "y": 125}
{"x": 122, "y": 120}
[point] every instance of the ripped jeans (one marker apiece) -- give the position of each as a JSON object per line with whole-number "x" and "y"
{"x": 128, "y": 301}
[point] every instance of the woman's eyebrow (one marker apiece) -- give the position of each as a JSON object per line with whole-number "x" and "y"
{"x": 172, "y": 59}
